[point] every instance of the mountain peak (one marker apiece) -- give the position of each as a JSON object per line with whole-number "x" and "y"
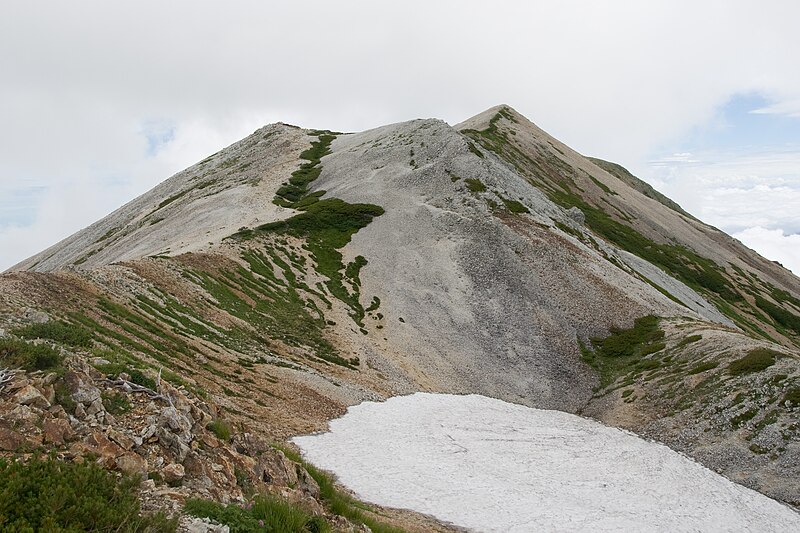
{"x": 489, "y": 258}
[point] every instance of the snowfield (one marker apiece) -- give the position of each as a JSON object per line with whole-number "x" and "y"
{"x": 488, "y": 465}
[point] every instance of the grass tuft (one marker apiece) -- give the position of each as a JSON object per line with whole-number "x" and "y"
{"x": 755, "y": 361}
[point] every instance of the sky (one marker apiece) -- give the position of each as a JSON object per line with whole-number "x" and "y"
{"x": 102, "y": 100}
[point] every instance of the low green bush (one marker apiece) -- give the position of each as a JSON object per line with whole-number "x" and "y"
{"x": 59, "y": 331}
{"x": 475, "y": 185}
{"x": 755, "y": 361}
{"x": 792, "y": 395}
{"x": 20, "y": 354}
{"x": 338, "y": 502}
{"x": 633, "y": 341}
{"x": 688, "y": 340}
{"x": 136, "y": 375}
{"x": 51, "y": 495}
{"x": 702, "y": 367}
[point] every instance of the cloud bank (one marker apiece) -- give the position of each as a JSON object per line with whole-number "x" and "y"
{"x": 100, "y": 101}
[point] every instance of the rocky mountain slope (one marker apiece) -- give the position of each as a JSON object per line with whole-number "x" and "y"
{"x": 297, "y": 272}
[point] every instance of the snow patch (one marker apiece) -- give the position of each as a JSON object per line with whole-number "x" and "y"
{"x": 489, "y": 465}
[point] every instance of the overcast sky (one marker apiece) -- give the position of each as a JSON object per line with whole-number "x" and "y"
{"x": 101, "y": 100}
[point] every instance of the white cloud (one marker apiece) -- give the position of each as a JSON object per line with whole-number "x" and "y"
{"x": 774, "y": 245}
{"x": 82, "y": 83}
{"x": 790, "y": 108}
{"x": 735, "y": 191}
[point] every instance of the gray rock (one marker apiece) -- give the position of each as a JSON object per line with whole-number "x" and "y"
{"x": 95, "y": 407}
{"x": 81, "y": 387}
{"x": 173, "y": 473}
{"x": 30, "y": 395}
{"x": 577, "y": 215}
{"x": 191, "y": 524}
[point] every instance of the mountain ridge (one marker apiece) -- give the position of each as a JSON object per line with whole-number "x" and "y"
{"x": 298, "y": 272}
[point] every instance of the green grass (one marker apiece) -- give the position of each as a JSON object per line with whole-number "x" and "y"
{"x": 475, "y": 185}
{"x": 291, "y": 193}
{"x": 265, "y": 513}
{"x": 623, "y": 351}
{"x": 702, "y": 367}
{"x": 337, "y": 501}
{"x": 780, "y": 315}
{"x": 602, "y": 185}
{"x": 16, "y": 353}
{"x": 50, "y": 495}
{"x": 755, "y": 361}
{"x": 792, "y": 395}
{"x": 220, "y": 428}
{"x": 740, "y": 419}
{"x": 553, "y": 176}
{"x": 514, "y": 206}
{"x": 474, "y": 150}
{"x": 56, "y": 330}
{"x": 327, "y": 226}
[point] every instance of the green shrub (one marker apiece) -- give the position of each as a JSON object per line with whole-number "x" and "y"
{"x": 780, "y": 315}
{"x": 50, "y": 495}
{"x": 652, "y": 348}
{"x": 688, "y": 340}
{"x": 265, "y": 514}
{"x": 59, "y": 331}
{"x": 475, "y": 185}
{"x": 20, "y": 354}
{"x": 220, "y": 428}
{"x": 755, "y": 361}
{"x": 702, "y": 367}
{"x": 116, "y": 403}
{"x": 792, "y": 395}
{"x": 515, "y": 206}
{"x": 136, "y": 375}
{"x": 64, "y": 398}
{"x": 633, "y": 341}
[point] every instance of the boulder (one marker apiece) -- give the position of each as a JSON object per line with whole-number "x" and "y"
{"x": 100, "y": 445}
{"x": 81, "y": 387}
{"x": 123, "y": 439}
{"x": 56, "y": 431}
{"x": 306, "y": 483}
{"x": 174, "y": 430}
{"x": 10, "y": 440}
{"x": 131, "y": 463}
{"x": 30, "y": 395}
{"x": 95, "y": 407}
{"x": 173, "y": 473}
{"x": 191, "y": 524}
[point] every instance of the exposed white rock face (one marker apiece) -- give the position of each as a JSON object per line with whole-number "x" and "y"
{"x": 493, "y": 466}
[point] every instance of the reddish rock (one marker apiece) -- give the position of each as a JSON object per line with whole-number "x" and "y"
{"x": 100, "y": 445}
{"x": 131, "y": 463}
{"x": 10, "y": 440}
{"x": 56, "y": 431}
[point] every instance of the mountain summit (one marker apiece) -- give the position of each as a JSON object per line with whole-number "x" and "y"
{"x": 298, "y": 272}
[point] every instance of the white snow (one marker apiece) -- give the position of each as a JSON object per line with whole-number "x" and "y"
{"x": 488, "y": 465}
